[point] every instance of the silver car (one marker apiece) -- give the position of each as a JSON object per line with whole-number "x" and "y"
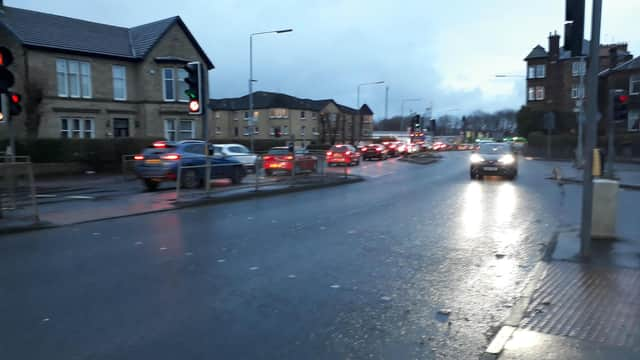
{"x": 237, "y": 152}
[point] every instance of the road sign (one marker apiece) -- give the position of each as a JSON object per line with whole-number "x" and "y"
{"x": 549, "y": 121}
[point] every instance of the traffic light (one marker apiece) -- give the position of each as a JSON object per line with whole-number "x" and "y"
{"x": 620, "y": 107}
{"x": 194, "y": 92}
{"x": 14, "y": 104}
{"x": 574, "y": 27}
{"x": 6, "y": 77}
{"x": 417, "y": 126}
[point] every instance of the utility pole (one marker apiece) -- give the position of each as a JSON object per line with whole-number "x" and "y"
{"x": 590, "y": 130}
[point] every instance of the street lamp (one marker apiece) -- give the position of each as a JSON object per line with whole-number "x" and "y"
{"x": 358, "y": 105}
{"x": 368, "y": 83}
{"x": 402, "y": 111}
{"x": 251, "y": 80}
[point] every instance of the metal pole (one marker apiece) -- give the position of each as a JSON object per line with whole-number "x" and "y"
{"x": 386, "y": 102}
{"x": 6, "y": 112}
{"x": 402, "y": 115}
{"x": 581, "y": 92}
{"x": 548, "y": 143}
{"x": 590, "y": 129}
{"x": 34, "y": 201}
{"x": 178, "y": 181}
{"x": 251, "y": 92}
{"x": 358, "y": 100}
{"x": 611, "y": 130}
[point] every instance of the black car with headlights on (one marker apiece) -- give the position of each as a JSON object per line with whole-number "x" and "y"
{"x": 493, "y": 159}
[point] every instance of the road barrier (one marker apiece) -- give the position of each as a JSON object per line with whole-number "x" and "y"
{"x": 302, "y": 169}
{"x": 17, "y": 187}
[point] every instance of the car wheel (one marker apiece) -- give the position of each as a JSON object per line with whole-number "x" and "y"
{"x": 151, "y": 185}
{"x": 190, "y": 179}
{"x": 236, "y": 178}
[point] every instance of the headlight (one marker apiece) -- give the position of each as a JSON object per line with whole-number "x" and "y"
{"x": 475, "y": 158}
{"x": 507, "y": 159}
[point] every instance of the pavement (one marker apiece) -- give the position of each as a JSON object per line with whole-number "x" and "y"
{"x": 628, "y": 174}
{"x": 417, "y": 262}
{"x": 76, "y": 199}
{"x": 576, "y": 307}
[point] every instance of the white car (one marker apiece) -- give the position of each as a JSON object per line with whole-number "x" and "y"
{"x": 237, "y": 152}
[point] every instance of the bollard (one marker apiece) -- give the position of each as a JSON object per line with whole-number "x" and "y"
{"x": 605, "y": 201}
{"x": 597, "y": 164}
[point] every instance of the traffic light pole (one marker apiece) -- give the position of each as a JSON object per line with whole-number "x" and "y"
{"x": 6, "y": 112}
{"x": 590, "y": 130}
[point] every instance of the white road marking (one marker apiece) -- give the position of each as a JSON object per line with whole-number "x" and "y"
{"x": 79, "y": 197}
{"x": 96, "y": 234}
{"x": 291, "y": 276}
{"x": 221, "y": 260}
{"x": 254, "y": 268}
{"x": 335, "y": 286}
{"x": 188, "y": 254}
{"x": 138, "y": 243}
{"x": 163, "y": 248}
{"x": 46, "y": 196}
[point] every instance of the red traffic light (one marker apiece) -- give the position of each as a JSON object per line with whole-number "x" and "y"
{"x": 623, "y": 99}
{"x": 14, "y": 98}
{"x": 194, "y": 106}
{"x": 6, "y": 57}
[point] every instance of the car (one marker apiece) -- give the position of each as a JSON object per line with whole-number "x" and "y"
{"x": 160, "y": 161}
{"x": 343, "y": 154}
{"x": 237, "y": 152}
{"x": 279, "y": 159}
{"x": 439, "y": 146}
{"x": 375, "y": 151}
{"x": 495, "y": 159}
{"x": 392, "y": 148}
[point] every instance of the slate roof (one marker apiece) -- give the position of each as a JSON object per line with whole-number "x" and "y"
{"x": 42, "y": 30}
{"x": 633, "y": 64}
{"x": 538, "y": 52}
{"x": 267, "y": 100}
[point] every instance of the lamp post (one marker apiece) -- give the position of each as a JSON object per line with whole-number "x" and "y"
{"x": 251, "y": 80}
{"x": 402, "y": 102}
{"x": 358, "y": 105}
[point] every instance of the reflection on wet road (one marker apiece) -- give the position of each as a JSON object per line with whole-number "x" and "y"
{"x": 417, "y": 262}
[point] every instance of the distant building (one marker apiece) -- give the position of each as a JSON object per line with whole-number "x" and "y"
{"x": 320, "y": 121}
{"x": 554, "y": 77}
{"x": 81, "y": 79}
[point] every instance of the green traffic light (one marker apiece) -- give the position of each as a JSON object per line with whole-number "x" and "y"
{"x": 191, "y": 94}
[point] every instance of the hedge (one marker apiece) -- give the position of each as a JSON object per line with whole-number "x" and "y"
{"x": 98, "y": 153}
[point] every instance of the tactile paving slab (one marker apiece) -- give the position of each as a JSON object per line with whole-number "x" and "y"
{"x": 600, "y": 304}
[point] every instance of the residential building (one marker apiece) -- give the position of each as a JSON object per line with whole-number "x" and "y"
{"x": 81, "y": 79}
{"x": 319, "y": 121}
{"x": 556, "y": 80}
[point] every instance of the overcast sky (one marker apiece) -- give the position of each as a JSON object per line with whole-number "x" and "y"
{"x": 445, "y": 52}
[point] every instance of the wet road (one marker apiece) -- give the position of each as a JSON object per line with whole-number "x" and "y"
{"x": 351, "y": 272}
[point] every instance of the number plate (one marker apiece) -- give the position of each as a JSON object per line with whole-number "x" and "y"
{"x": 153, "y": 162}
{"x": 490, "y": 168}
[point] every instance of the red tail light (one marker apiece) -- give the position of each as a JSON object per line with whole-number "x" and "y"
{"x": 267, "y": 158}
{"x": 159, "y": 144}
{"x": 329, "y": 153}
{"x": 138, "y": 157}
{"x": 170, "y": 157}
{"x": 348, "y": 153}
{"x": 289, "y": 157}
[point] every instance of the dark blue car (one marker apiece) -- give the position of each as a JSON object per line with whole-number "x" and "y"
{"x": 159, "y": 162}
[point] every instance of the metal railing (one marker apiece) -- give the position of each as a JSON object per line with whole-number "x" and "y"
{"x": 17, "y": 187}
{"x": 300, "y": 170}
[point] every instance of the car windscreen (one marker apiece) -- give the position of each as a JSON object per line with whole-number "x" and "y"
{"x": 494, "y": 149}
{"x": 339, "y": 149}
{"x": 158, "y": 150}
{"x": 238, "y": 149}
{"x": 279, "y": 151}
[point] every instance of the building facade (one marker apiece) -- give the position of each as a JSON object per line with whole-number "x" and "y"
{"x": 80, "y": 79}
{"x": 556, "y": 81}
{"x": 304, "y": 120}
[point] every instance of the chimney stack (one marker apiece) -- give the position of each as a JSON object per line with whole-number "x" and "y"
{"x": 613, "y": 57}
{"x": 554, "y": 45}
